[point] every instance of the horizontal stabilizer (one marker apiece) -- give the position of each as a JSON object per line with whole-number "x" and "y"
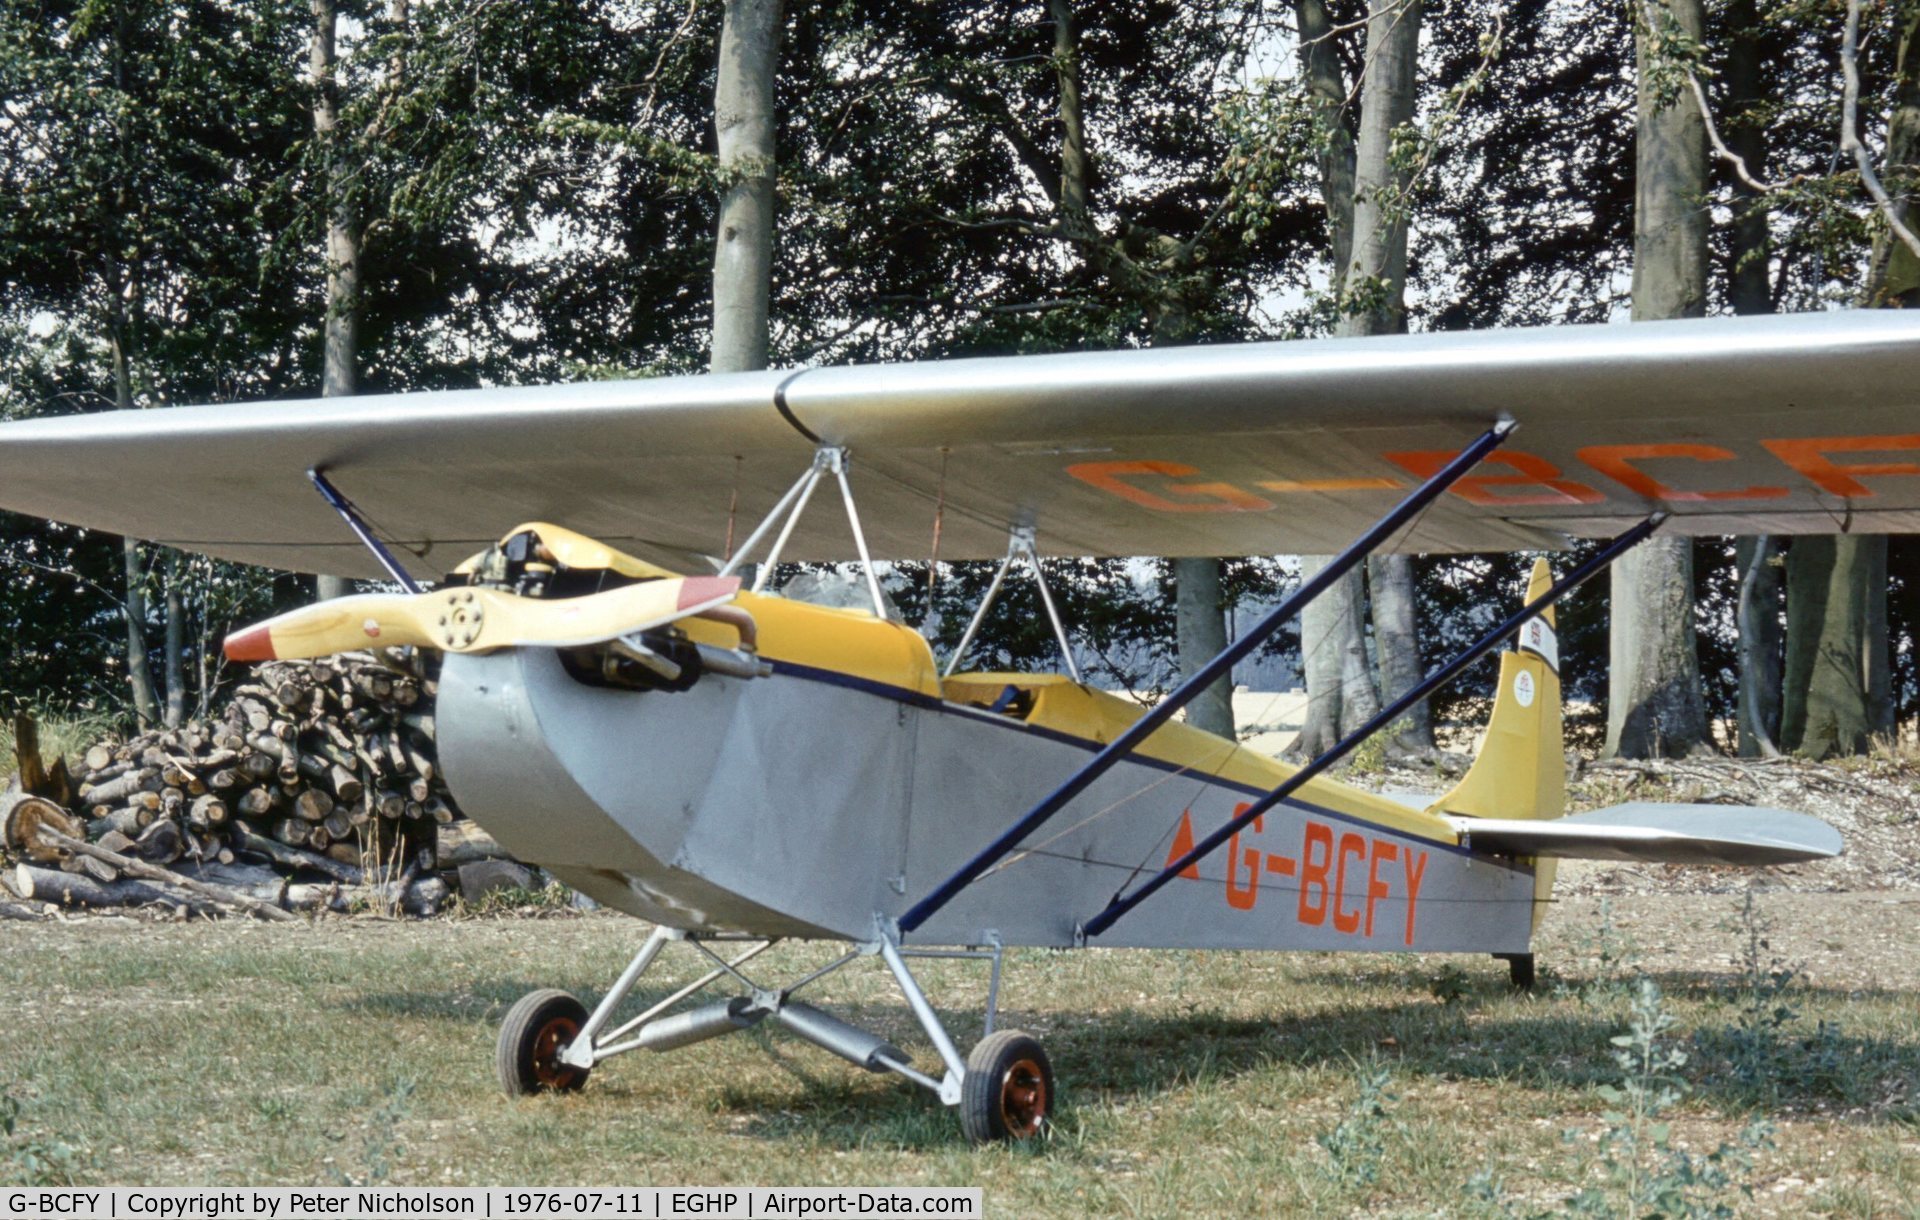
{"x": 1659, "y": 834}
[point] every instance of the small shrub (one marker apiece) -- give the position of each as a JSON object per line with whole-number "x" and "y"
{"x": 1356, "y": 1147}
{"x": 29, "y": 1159}
{"x": 1644, "y": 1174}
{"x": 1448, "y": 985}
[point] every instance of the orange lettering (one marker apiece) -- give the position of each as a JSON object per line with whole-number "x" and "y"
{"x": 1355, "y": 846}
{"x": 1414, "y": 863}
{"x": 1209, "y": 497}
{"x": 1297, "y": 485}
{"x": 1242, "y": 899}
{"x": 1475, "y": 488}
{"x": 1182, "y": 844}
{"x": 1616, "y": 462}
{"x": 1313, "y": 875}
{"x": 1376, "y": 888}
{"x": 1809, "y": 457}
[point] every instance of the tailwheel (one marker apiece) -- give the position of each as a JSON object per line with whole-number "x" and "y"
{"x": 1519, "y": 970}
{"x": 1008, "y": 1094}
{"x": 538, "y": 1027}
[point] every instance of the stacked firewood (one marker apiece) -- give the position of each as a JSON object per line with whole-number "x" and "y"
{"x": 316, "y": 769}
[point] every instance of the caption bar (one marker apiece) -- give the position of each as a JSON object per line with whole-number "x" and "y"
{"x": 504, "y": 1203}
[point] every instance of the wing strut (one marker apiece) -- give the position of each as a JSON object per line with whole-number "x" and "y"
{"x": 1020, "y": 544}
{"x": 351, "y": 515}
{"x": 1439, "y": 677}
{"x": 1220, "y": 666}
{"x": 827, "y": 459}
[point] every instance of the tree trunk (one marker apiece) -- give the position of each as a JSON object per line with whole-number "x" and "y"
{"x": 339, "y": 369}
{"x": 175, "y": 667}
{"x": 1894, "y": 274}
{"x": 1333, "y": 654}
{"x": 1809, "y": 575}
{"x": 1758, "y": 624}
{"x": 1371, "y": 280}
{"x": 744, "y": 127}
{"x": 1655, "y": 705}
{"x": 1201, "y": 631}
{"x": 1396, "y": 638}
{"x": 1837, "y": 715}
{"x": 1333, "y": 121}
{"x": 1376, "y": 275}
{"x": 1750, "y": 291}
{"x": 146, "y": 706}
{"x": 1875, "y": 641}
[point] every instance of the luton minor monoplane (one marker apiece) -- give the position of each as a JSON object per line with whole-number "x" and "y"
{"x": 740, "y": 768}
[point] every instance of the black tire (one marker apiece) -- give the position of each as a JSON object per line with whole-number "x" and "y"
{"x": 1008, "y": 1093}
{"x": 1519, "y": 970}
{"x": 538, "y": 1027}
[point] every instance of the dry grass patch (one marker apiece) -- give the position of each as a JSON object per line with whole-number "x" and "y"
{"x": 1195, "y": 1083}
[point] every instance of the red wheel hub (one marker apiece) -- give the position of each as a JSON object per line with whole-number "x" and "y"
{"x": 554, "y": 1037}
{"x": 1023, "y": 1099}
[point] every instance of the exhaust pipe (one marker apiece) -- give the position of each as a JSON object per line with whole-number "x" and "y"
{"x": 697, "y": 1025}
{"x": 830, "y": 1033}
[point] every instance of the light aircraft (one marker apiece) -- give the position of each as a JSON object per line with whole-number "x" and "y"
{"x": 741, "y": 768}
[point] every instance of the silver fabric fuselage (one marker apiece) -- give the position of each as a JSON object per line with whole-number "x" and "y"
{"x": 814, "y": 804}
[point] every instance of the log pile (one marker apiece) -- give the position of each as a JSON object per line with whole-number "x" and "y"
{"x": 321, "y": 774}
{"x": 316, "y": 755}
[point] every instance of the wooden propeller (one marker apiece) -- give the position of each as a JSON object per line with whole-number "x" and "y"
{"x": 477, "y": 620}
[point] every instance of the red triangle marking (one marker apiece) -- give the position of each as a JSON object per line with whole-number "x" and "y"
{"x": 1183, "y": 843}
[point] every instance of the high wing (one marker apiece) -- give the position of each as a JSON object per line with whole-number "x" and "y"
{"x": 1796, "y": 424}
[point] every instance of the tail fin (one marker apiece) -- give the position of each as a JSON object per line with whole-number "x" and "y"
{"x": 1520, "y": 771}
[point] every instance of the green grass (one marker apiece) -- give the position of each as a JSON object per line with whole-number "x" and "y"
{"x": 1194, "y": 1083}
{"x": 62, "y": 734}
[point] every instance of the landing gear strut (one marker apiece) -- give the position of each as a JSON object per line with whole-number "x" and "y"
{"x": 1004, "y": 1089}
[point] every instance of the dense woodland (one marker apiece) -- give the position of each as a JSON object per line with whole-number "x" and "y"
{"x": 249, "y": 200}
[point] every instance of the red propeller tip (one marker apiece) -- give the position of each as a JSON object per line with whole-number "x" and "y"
{"x": 253, "y": 644}
{"x": 699, "y": 590}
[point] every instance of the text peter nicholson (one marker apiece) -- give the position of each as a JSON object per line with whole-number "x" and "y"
{"x": 504, "y": 1203}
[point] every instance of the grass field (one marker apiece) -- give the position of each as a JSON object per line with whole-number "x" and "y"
{"x": 1194, "y": 1084}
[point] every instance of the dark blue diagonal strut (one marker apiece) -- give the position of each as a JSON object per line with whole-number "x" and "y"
{"x": 351, "y": 516}
{"x": 1493, "y": 639}
{"x": 1221, "y": 665}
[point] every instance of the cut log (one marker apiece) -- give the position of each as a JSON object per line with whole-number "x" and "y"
{"x": 129, "y": 821}
{"x": 482, "y": 877}
{"x": 439, "y": 810}
{"x": 257, "y": 802}
{"x": 292, "y": 831}
{"x": 78, "y": 890}
{"x": 346, "y": 785}
{"x": 23, "y": 815}
{"x": 296, "y": 857}
{"x": 463, "y": 842}
{"x": 153, "y": 872}
{"x": 98, "y": 758}
{"x": 206, "y": 811}
{"x": 160, "y": 843}
{"x": 116, "y": 791}
{"x": 88, "y": 866}
{"x": 313, "y": 805}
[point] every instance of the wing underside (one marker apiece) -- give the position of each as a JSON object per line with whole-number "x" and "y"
{"x": 1807, "y": 423}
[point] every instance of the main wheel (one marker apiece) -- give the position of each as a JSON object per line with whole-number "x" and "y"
{"x": 1008, "y": 1093}
{"x": 536, "y": 1030}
